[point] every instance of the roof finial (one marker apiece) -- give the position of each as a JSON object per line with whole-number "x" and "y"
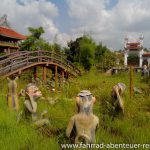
{"x": 4, "y": 22}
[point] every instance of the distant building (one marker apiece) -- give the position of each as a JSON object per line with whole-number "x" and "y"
{"x": 136, "y": 49}
{"x": 9, "y": 38}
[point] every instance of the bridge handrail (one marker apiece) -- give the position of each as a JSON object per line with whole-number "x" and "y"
{"x": 11, "y": 54}
{"x": 15, "y": 59}
{"x": 33, "y": 58}
{"x": 24, "y": 53}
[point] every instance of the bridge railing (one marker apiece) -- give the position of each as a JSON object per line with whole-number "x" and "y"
{"x": 19, "y": 60}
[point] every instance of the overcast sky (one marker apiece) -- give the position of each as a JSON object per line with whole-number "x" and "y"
{"x": 107, "y": 21}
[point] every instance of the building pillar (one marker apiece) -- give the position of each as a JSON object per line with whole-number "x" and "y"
{"x": 125, "y": 59}
{"x": 141, "y": 58}
{"x": 148, "y": 60}
{"x": 63, "y": 76}
{"x": 140, "y": 61}
{"x": 44, "y": 73}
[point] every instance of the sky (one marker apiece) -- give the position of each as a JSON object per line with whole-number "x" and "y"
{"x": 106, "y": 21}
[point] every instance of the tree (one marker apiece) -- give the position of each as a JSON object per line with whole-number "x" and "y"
{"x": 146, "y": 50}
{"x": 100, "y": 50}
{"x": 133, "y": 59}
{"x": 87, "y": 49}
{"x": 109, "y": 59}
{"x": 72, "y": 52}
{"x": 56, "y": 48}
{"x": 81, "y": 51}
{"x": 34, "y": 41}
{"x": 36, "y": 32}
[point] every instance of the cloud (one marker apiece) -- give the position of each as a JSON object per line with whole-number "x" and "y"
{"x": 25, "y": 13}
{"x": 132, "y": 15}
{"x": 111, "y": 25}
{"x": 105, "y": 24}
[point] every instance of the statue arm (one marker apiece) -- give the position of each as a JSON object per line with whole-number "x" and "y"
{"x": 120, "y": 100}
{"x": 70, "y": 126}
{"x": 33, "y": 107}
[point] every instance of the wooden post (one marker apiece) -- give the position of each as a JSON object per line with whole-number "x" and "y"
{"x": 56, "y": 78}
{"x": 44, "y": 73}
{"x": 131, "y": 81}
{"x": 34, "y": 73}
{"x": 63, "y": 75}
{"x": 19, "y": 72}
{"x": 62, "y": 80}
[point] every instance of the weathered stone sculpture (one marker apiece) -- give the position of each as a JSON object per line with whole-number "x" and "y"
{"x": 12, "y": 96}
{"x": 85, "y": 122}
{"x": 32, "y": 93}
{"x": 116, "y": 94}
{"x": 145, "y": 73}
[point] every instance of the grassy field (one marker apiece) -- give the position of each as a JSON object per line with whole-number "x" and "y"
{"x": 134, "y": 127}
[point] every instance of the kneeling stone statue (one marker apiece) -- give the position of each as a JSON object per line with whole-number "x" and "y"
{"x": 116, "y": 94}
{"x": 32, "y": 93}
{"x": 85, "y": 122}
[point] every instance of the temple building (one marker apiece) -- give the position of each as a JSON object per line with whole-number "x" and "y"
{"x": 9, "y": 38}
{"x": 134, "y": 53}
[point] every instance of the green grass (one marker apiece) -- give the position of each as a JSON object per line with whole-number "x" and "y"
{"x": 134, "y": 127}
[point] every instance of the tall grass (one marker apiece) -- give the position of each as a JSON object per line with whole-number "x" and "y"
{"x": 133, "y": 127}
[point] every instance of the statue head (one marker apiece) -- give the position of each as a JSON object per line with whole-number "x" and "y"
{"x": 33, "y": 91}
{"x": 12, "y": 79}
{"x": 85, "y": 101}
{"x": 120, "y": 87}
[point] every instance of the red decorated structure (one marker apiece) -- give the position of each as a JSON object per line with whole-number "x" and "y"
{"x": 136, "y": 49}
{"x": 9, "y": 38}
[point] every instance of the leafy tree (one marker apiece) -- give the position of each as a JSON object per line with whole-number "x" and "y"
{"x": 109, "y": 59}
{"x": 72, "y": 52}
{"x": 146, "y": 50}
{"x": 57, "y": 48}
{"x": 133, "y": 59}
{"x": 86, "y": 55}
{"x": 34, "y": 41}
{"x": 36, "y": 32}
{"x": 81, "y": 51}
{"x": 100, "y": 50}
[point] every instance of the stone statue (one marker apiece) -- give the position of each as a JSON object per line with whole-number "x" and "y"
{"x": 146, "y": 73}
{"x": 32, "y": 93}
{"x": 85, "y": 122}
{"x": 12, "y": 96}
{"x": 116, "y": 94}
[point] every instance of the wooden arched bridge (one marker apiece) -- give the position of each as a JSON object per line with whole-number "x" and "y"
{"x": 17, "y": 62}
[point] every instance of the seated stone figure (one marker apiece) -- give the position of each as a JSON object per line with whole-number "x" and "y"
{"x": 145, "y": 73}
{"x": 85, "y": 122}
{"x": 117, "y": 100}
{"x": 32, "y": 93}
{"x": 12, "y": 96}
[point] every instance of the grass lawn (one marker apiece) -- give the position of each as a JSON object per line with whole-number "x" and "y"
{"x": 134, "y": 127}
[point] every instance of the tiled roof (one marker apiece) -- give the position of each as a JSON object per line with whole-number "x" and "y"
{"x": 146, "y": 54}
{"x": 11, "y": 33}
